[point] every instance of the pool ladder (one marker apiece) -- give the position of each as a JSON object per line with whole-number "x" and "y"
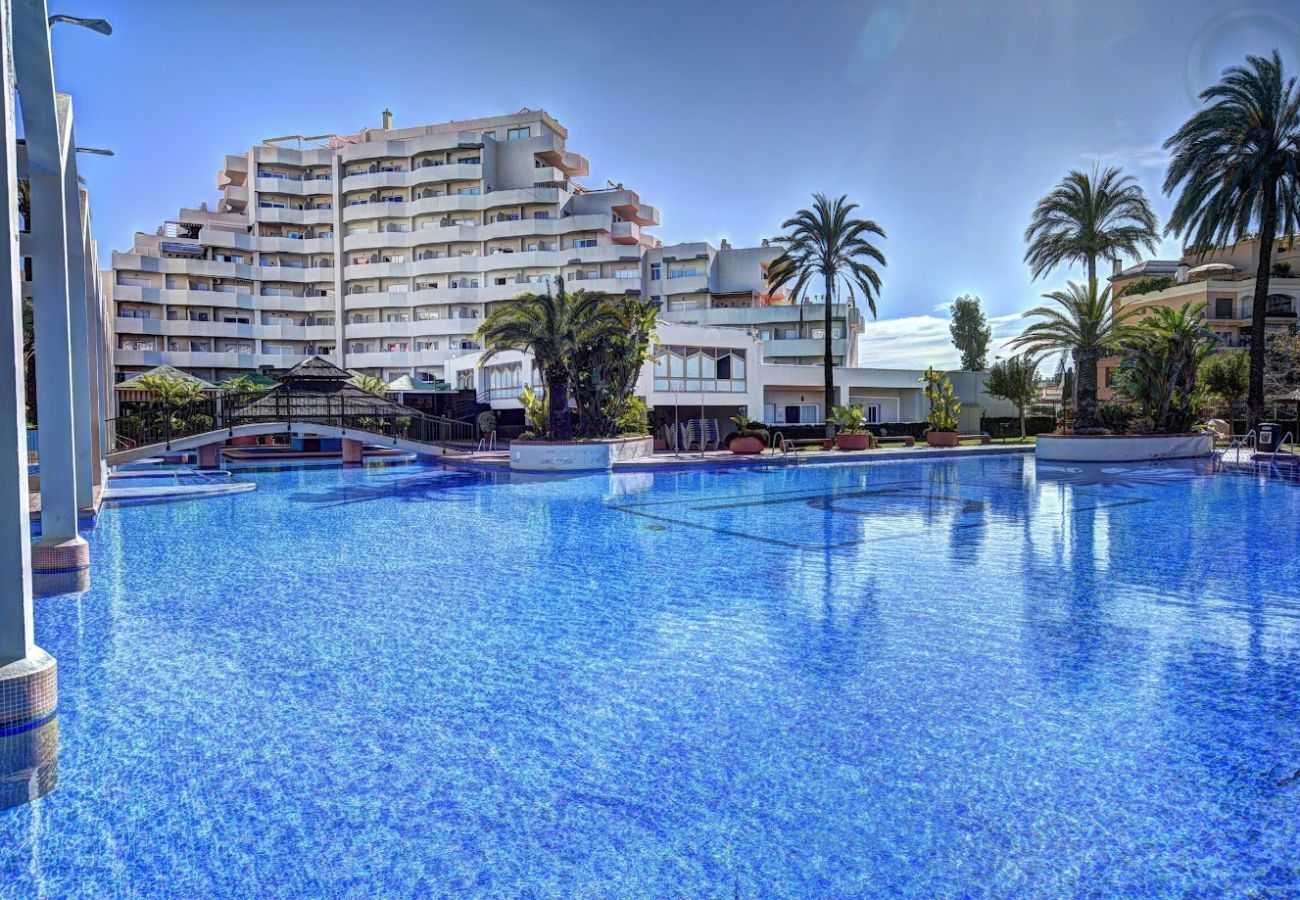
{"x": 1249, "y": 440}
{"x": 779, "y": 442}
{"x": 487, "y": 443}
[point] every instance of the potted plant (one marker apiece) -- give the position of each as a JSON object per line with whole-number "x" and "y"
{"x": 851, "y": 428}
{"x": 750, "y": 436}
{"x": 944, "y": 409}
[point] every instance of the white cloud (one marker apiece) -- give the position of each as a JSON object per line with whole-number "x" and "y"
{"x": 914, "y": 342}
{"x": 1138, "y": 156}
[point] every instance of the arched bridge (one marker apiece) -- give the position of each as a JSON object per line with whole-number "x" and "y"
{"x": 165, "y": 428}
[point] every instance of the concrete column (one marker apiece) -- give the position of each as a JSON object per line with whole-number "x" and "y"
{"x": 46, "y": 116}
{"x": 352, "y": 452}
{"x": 28, "y": 675}
{"x": 210, "y": 456}
{"x": 78, "y": 330}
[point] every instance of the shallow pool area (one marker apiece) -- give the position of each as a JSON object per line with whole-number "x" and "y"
{"x": 957, "y": 677}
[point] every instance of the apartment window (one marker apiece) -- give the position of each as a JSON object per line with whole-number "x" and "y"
{"x": 681, "y": 273}
{"x": 514, "y": 134}
{"x": 469, "y": 160}
{"x": 804, "y": 413}
{"x": 470, "y": 191}
{"x": 697, "y": 369}
{"x": 1223, "y": 307}
{"x": 541, "y": 214}
{"x": 584, "y": 242}
{"x": 1279, "y": 305}
{"x": 656, "y": 271}
{"x": 627, "y": 273}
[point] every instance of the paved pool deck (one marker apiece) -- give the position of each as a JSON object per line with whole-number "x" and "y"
{"x": 717, "y": 459}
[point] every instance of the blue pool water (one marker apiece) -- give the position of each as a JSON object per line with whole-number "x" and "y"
{"x": 944, "y": 678}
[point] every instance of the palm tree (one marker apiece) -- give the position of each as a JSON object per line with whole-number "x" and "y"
{"x": 1087, "y": 217}
{"x": 170, "y": 390}
{"x": 1085, "y": 324}
{"x": 827, "y": 242}
{"x": 1238, "y": 164}
{"x": 241, "y": 384}
{"x": 554, "y": 327}
{"x": 372, "y": 384}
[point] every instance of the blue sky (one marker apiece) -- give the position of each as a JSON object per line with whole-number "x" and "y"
{"x": 944, "y": 120}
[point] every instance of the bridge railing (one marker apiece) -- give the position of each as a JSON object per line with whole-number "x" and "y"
{"x": 163, "y": 423}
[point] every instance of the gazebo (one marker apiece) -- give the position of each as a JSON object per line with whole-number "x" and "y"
{"x": 315, "y": 389}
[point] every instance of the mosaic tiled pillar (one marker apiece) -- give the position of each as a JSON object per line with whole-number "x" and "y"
{"x": 210, "y": 456}
{"x": 29, "y": 763}
{"x": 28, "y": 675}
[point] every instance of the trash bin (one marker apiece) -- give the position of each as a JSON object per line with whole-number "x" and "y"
{"x": 1268, "y": 438}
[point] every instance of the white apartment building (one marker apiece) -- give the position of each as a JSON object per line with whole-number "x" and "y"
{"x": 383, "y": 251}
{"x": 718, "y": 371}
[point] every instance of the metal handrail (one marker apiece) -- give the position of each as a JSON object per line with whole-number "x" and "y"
{"x": 160, "y": 425}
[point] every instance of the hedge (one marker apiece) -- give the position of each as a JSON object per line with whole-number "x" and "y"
{"x": 1009, "y": 426}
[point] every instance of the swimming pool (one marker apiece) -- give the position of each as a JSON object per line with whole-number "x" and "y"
{"x": 953, "y": 677}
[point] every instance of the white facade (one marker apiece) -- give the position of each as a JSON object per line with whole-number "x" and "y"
{"x": 384, "y": 250}
{"x": 725, "y": 369}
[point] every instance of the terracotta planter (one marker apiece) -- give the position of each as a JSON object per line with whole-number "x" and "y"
{"x": 942, "y": 438}
{"x": 853, "y": 441}
{"x": 746, "y": 445}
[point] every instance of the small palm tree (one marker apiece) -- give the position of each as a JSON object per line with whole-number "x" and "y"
{"x": 1236, "y": 164}
{"x": 170, "y": 390}
{"x": 827, "y": 243}
{"x": 1163, "y": 357}
{"x": 1015, "y": 380}
{"x": 372, "y": 384}
{"x": 1085, "y": 324}
{"x": 554, "y": 327}
{"x": 1090, "y": 217}
{"x": 241, "y": 384}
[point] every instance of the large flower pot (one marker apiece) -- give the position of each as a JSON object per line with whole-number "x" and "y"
{"x": 942, "y": 438}
{"x": 853, "y": 441}
{"x": 746, "y": 445}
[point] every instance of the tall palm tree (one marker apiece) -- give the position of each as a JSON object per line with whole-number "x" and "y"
{"x": 554, "y": 327}
{"x": 828, "y": 243}
{"x": 1238, "y": 164}
{"x": 1090, "y": 217}
{"x": 1085, "y": 324}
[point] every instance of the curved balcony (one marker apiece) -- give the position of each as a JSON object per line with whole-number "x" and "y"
{"x": 287, "y": 216}
{"x": 385, "y": 359}
{"x": 295, "y": 187}
{"x": 296, "y": 274}
{"x": 454, "y": 203}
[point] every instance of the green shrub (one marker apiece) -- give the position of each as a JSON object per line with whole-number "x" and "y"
{"x": 1147, "y": 285}
{"x": 634, "y": 418}
{"x": 1115, "y": 417}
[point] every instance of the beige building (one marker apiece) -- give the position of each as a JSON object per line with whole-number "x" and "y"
{"x": 383, "y": 250}
{"x": 1223, "y": 280}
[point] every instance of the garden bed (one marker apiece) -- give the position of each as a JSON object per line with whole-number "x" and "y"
{"x": 577, "y": 456}
{"x": 1122, "y": 447}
